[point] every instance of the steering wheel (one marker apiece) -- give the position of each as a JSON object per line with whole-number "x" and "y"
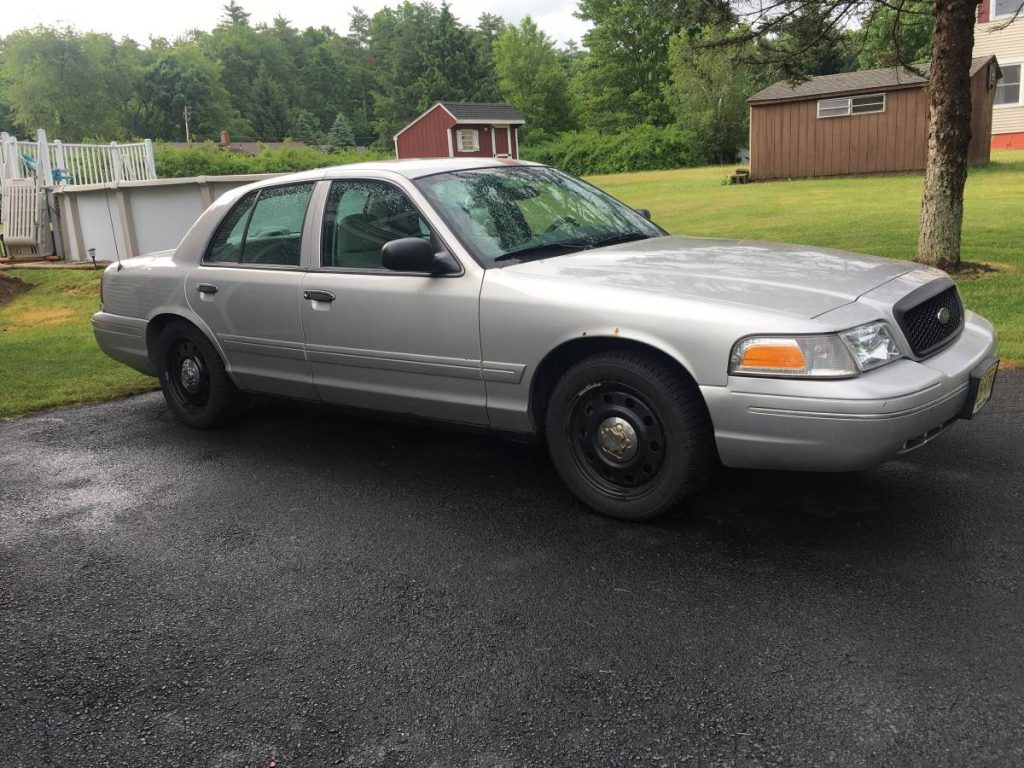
{"x": 560, "y": 222}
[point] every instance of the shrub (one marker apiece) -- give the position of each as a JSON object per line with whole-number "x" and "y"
{"x": 210, "y": 160}
{"x": 644, "y": 148}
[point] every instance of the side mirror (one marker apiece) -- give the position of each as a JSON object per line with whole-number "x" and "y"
{"x": 644, "y": 212}
{"x": 413, "y": 254}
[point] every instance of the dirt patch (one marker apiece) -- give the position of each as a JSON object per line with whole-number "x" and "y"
{"x": 11, "y": 287}
{"x": 972, "y": 270}
{"x": 43, "y": 316}
{"x": 81, "y": 289}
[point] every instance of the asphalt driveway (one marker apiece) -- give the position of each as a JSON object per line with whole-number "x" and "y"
{"x": 310, "y": 588}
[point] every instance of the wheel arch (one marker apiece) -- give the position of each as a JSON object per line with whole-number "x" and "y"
{"x": 560, "y": 359}
{"x": 164, "y": 317}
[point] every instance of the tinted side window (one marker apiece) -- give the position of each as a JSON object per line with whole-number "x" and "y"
{"x": 274, "y": 234}
{"x": 360, "y": 217}
{"x": 226, "y": 245}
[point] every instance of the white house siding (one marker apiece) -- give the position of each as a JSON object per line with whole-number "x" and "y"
{"x": 1008, "y": 46}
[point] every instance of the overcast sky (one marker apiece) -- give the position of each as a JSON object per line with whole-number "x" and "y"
{"x": 170, "y": 19}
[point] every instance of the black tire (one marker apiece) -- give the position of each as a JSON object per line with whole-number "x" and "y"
{"x": 195, "y": 384}
{"x": 629, "y": 434}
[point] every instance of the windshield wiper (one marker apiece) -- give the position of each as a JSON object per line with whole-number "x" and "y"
{"x": 536, "y": 250}
{"x": 573, "y": 245}
{"x": 622, "y": 237}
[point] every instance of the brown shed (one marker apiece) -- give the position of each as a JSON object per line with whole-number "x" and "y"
{"x": 462, "y": 129}
{"x": 874, "y": 121}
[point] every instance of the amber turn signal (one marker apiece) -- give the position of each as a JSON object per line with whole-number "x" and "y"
{"x": 818, "y": 356}
{"x": 783, "y": 355}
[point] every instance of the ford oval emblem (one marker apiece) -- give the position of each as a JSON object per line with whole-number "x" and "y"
{"x": 943, "y": 316}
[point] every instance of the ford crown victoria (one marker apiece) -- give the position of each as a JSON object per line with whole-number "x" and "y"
{"x": 514, "y": 297}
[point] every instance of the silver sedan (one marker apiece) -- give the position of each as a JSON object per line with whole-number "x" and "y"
{"x": 514, "y": 297}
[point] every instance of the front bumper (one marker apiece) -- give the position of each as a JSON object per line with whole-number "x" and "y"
{"x": 847, "y": 424}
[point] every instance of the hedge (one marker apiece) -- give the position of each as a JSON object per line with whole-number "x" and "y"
{"x": 644, "y": 148}
{"x": 210, "y": 160}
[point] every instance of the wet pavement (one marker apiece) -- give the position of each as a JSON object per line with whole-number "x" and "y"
{"x": 308, "y": 588}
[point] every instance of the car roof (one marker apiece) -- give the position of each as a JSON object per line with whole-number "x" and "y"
{"x": 411, "y": 169}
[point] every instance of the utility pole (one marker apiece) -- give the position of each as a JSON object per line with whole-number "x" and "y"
{"x": 188, "y": 136}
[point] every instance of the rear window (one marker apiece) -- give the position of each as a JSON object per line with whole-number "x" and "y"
{"x": 264, "y": 227}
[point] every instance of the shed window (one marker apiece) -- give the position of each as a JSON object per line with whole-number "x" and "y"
{"x": 855, "y": 105}
{"x": 468, "y": 140}
{"x": 1003, "y": 8}
{"x": 1008, "y": 87}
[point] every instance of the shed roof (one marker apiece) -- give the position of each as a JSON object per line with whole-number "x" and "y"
{"x": 480, "y": 111}
{"x": 888, "y": 79}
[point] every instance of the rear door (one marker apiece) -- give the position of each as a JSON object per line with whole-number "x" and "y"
{"x": 248, "y": 290}
{"x": 392, "y": 341}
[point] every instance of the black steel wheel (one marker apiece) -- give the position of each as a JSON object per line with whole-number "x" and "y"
{"x": 194, "y": 381}
{"x": 616, "y": 437}
{"x": 188, "y": 376}
{"x": 629, "y": 434}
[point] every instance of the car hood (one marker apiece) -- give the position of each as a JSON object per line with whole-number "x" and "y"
{"x": 795, "y": 279}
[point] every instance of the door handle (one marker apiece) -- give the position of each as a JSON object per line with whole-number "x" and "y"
{"x": 318, "y": 296}
{"x": 206, "y": 288}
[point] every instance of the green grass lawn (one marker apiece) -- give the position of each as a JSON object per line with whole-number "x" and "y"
{"x": 48, "y": 356}
{"x": 867, "y": 214}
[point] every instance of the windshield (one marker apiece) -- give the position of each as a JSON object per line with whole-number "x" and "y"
{"x": 514, "y": 214}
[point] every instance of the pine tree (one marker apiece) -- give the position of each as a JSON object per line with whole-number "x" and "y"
{"x": 305, "y": 127}
{"x": 341, "y": 134}
{"x": 233, "y": 13}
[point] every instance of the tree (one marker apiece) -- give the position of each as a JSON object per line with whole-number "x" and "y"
{"x": 453, "y": 63}
{"x": 891, "y": 36}
{"x": 488, "y": 27}
{"x": 948, "y": 94}
{"x": 708, "y": 93}
{"x": 621, "y": 81}
{"x": 807, "y": 46}
{"x": 531, "y": 77}
{"x": 949, "y": 134}
{"x": 183, "y": 77}
{"x": 305, "y": 127}
{"x": 419, "y": 54}
{"x": 341, "y": 134}
{"x": 258, "y": 74}
{"x": 268, "y": 111}
{"x": 234, "y": 14}
{"x": 55, "y": 79}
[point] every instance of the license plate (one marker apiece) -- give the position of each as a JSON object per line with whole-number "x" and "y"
{"x": 984, "y": 390}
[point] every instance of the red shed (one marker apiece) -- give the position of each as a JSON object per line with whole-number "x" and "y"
{"x": 462, "y": 129}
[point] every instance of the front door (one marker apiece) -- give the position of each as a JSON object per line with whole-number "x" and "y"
{"x": 248, "y": 290}
{"x": 390, "y": 341}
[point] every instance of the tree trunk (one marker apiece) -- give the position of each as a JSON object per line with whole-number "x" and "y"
{"x": 949, "y": 133}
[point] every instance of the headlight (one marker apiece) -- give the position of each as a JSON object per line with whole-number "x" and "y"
{"x": 872, "y": 345}
{"x": 825, "y": 356}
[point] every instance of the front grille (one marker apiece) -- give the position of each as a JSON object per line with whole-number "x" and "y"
{"x": 921, "y": 322}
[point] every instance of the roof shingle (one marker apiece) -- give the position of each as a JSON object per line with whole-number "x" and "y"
{"x": 851, "y": 82}
{"x": 479, "y": 110}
